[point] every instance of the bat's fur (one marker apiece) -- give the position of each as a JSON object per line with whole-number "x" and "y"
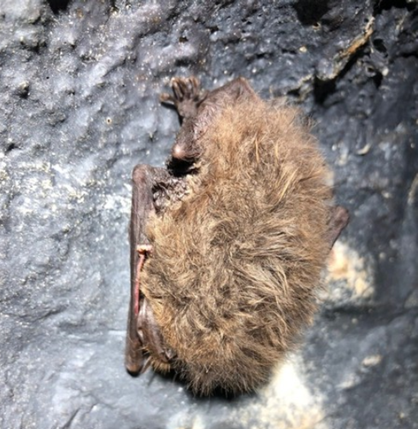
{"x": 236, "y": 262}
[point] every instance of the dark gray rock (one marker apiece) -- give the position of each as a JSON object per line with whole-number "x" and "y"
{"x": 79, "y": 108}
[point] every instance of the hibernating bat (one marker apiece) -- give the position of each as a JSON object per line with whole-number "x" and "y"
{"x": 228, "y": 242}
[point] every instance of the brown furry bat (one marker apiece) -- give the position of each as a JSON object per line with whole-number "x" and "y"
{"x": 228, "y": 243}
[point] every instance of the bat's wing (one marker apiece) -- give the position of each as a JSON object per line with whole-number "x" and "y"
{"x": 339, "y": 220}
{"x": 144, "y": 179}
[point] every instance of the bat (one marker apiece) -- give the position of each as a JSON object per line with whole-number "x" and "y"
{"x": 228, "y": 241}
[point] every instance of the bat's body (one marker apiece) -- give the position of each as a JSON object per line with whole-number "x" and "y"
{"x": 228, "y": 243}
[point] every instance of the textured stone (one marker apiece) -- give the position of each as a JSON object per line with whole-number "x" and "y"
{"x": 79, "y": 84}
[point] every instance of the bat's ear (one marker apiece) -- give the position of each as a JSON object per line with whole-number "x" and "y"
{"x": 338, "y": 221}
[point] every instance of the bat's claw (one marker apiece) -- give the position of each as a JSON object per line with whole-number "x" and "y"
{"x": 184, "y": 88}
{"x": 187, "y": 96}
{"x": 167, "y": 98}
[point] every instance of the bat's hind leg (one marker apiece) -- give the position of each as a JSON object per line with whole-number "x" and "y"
{"x": 187, "y": 96}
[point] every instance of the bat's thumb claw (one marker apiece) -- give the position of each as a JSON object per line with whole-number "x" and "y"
{"x": 166, "y": 98}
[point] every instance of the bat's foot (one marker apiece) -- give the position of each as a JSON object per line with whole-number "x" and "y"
{"x": 187, "y": 96}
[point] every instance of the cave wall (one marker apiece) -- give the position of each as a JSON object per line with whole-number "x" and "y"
{"x": 79, "y": 108}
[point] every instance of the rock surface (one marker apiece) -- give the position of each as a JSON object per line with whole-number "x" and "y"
{"x": 79, "y": 108}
